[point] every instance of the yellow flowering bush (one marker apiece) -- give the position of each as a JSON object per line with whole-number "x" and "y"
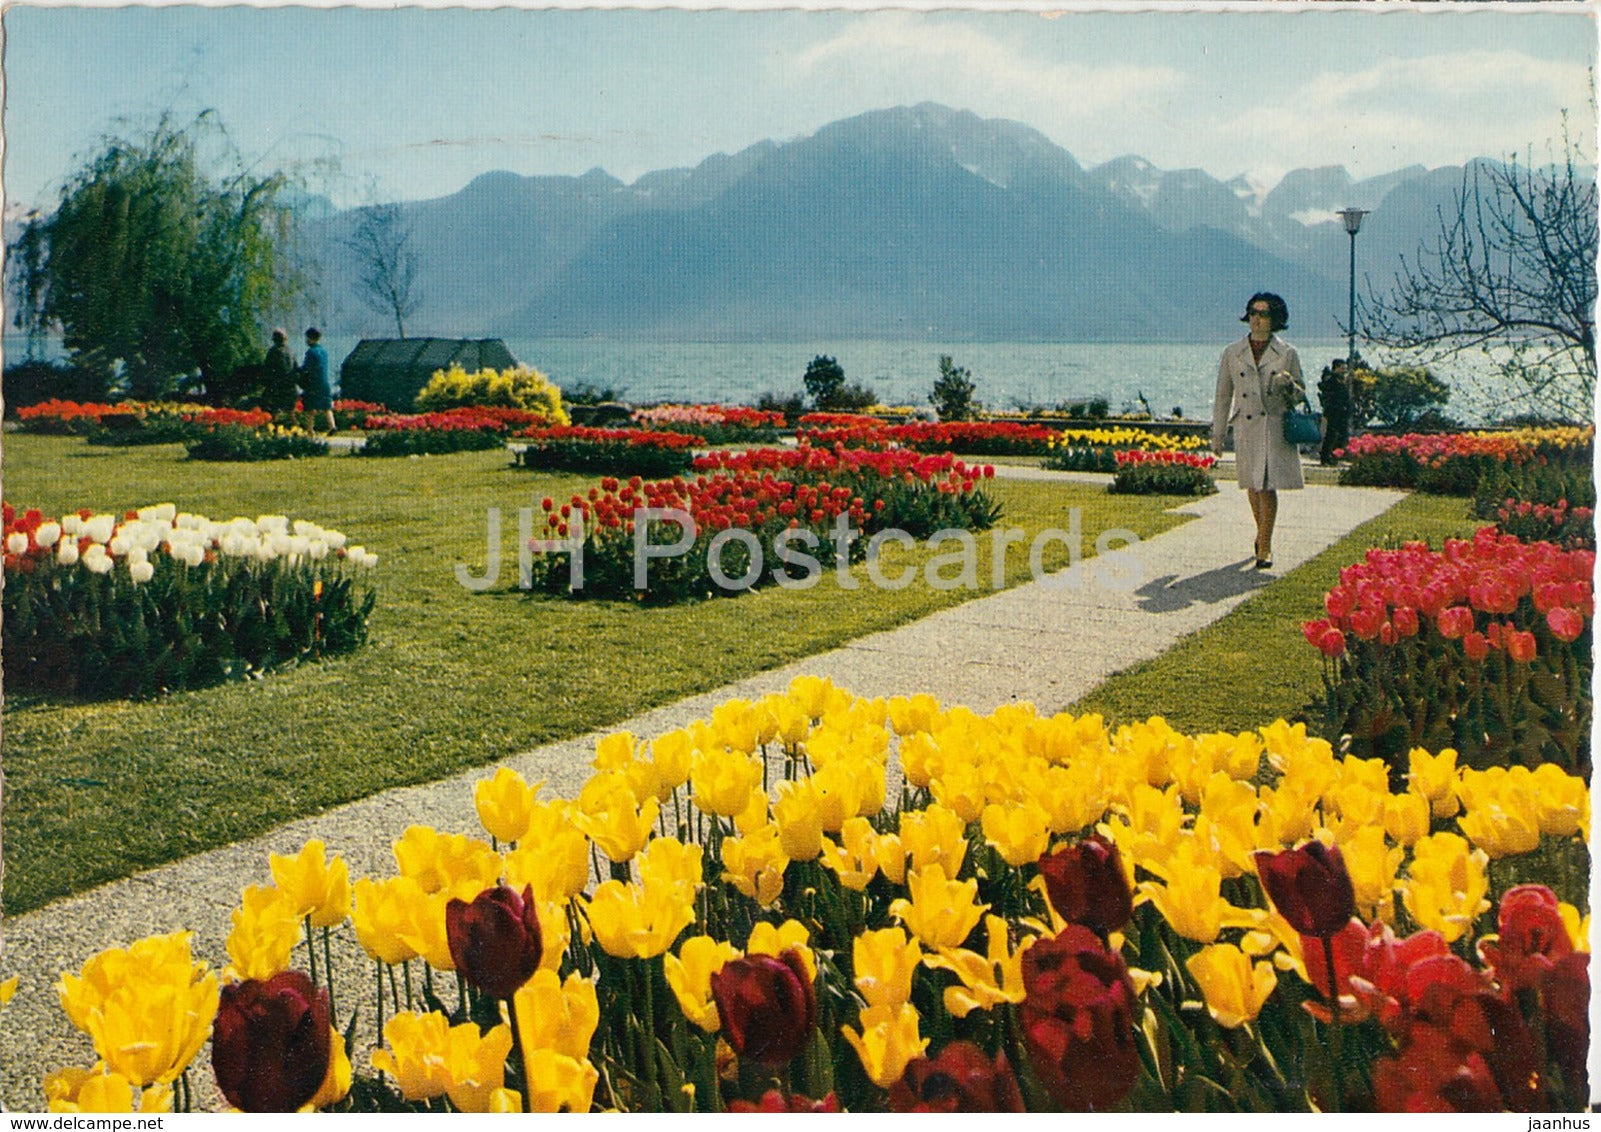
{"x": 521, "y": 388}
{"x": 815, "y": 900}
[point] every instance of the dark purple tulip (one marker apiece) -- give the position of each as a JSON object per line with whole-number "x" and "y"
{"x": 495, "y": 941}
{"x": 1310, "y": 888}
{"x": 1088, "y": 886}
{"x": 767, "y": 1006}
{"x": 271, "y": 1042}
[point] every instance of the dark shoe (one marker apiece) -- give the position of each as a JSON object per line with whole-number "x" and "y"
{"x": 1264, "y": 563}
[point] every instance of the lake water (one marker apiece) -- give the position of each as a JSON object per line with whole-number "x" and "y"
{"x": 1008, "y": 374}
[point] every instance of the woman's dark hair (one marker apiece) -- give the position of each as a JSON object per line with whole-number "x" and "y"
{"x": 1280, "y": 312}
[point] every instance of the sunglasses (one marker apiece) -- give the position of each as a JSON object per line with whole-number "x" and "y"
{"x": 1260, "y": 312}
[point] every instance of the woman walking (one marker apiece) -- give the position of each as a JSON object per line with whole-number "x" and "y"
{"x": 1258, "y": 379}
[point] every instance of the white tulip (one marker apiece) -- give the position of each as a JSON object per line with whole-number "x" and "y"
{"x": 48, "y": 534}
{"x": 140, "y": 572}
{"x": 273, "y": 522}
{"x": 16, "y": 543}
{"x": 67, "y": 552}
{"x": 72, "y": 524}
{"x": 97, "y": 560}
{"x": 100, "y": 527}
{"x": 317, "y": 549}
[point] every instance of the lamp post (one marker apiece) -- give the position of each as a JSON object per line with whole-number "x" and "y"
{"x": 1353, "y": 225}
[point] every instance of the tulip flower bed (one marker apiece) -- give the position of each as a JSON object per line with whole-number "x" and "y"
{"x": 978, "y": 438}
{"x": 1552, "y": 501}
{"x": 1097, "y": 449}
{"x": 1166, "y": 472}
{"x": 609, "y": 451}
{"x": 1454, "y": 463}
{"x": 1043, "y": 915}
{"x": 418, "y": 434}
{"x": 1484, "y": 646}
{"x": 64, "y": 418}
{"x": 840, "y": 420}
{"x": 764, "y": 492}
{"x": 159, "y": 601}
{"x": 241, "y": 443}
{"x": 714, "y": 424}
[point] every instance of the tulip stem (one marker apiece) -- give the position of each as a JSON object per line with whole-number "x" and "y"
{"x": 1336, "y": 1037}
{"x": 380, "y": 965}
{"x": 311, "y": 949}
{"x": 328, "y": 972}
{"x": 518, "y": 1056}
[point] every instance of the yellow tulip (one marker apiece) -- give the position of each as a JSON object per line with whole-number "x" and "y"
{"x": 1229, "y": 813}
{"x": 1147, "y": 832}
{"x": 505, "y": 804}
{"x": 1020, "y": 833}
{"x": 418, "y": 1054}
{"x": 1562, "y": 802}
{"x": 908, "y": 714}
{"x": 792, "y": 722}
{"x": 1191, "y": 903}
{"x": 754, "y": 816}
{"x": 556, "y": 866}
{"x": 800, "y": 822}
{"x": 1288, "y": 812}
{"x": 941, "y": 912}
{"x": 934, "y": 836}
{"x": 614, "y": 818}
{"x": 1234, "y": 987}
{"x": 921, "y": 761}
{"x": 266, "y": 927}
{"x": 672, "y": 754}
{"x": 1406, "y": 817}
{"x": 556, "y": 932}
{"x": 855, "y": 860}
{"x": 890, "y": 857}
{"x": 558, "y": 1083}
{"x": 1372, "y": 864}
{"x": 735, "y": 726}
{"x": 816, "y": 695}
{"x": 632, "y": 922}
{"x": 1434, "y": 776}
{"x": 477, "y": 1064}
{"x": 558, "y": 1015}
{"x": 1305, "y": 762}
{"x": 148, "y": 1009}
{"x": 1578, "y": 927}
{"x": 885, "y": 961}
{"x": 846, "y": 789}
{"x": 319, "y": 888}
{"x": 722, "y": 781}
{"x": 447, "y": 862}
{"x": 335, "y": 1085}
{"x": 690, "y": 973}
{"x": 381, "y": 915}
{"x": 888, "y": 1042}
{"x": 962, "y": 787}
{"x": 614, "y": 751}
{"x": 775, "y": 939}
{"x": 503, "y": 1100}
{"x": 1072, "y": 796}
{"x": 96, "y": 1090}
{"x": 668, "y": 863}
{"x": 754, "y": 864}
{"x": 424, "y": 927}
{"x": 1446, "y": 885}
{"x": 987, "y": 980}
{"x": 8, "y": 990}
{"x": 1502, "y": 815}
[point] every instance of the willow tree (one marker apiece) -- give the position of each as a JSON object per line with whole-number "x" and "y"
{"x": 155, "y": 264}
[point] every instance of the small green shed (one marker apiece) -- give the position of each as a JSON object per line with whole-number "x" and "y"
{"x": 392, "y": 371}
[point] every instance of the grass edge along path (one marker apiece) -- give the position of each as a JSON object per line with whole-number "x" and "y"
{"x": 448, "y": 681}
{"x": 1252, "y": 665}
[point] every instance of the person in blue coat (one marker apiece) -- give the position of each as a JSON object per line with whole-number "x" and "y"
{"x": 1258, "y": 380}
{"x": 314, "y": 387}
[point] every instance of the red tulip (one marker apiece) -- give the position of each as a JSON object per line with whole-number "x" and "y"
{"x": 1565, "y": 624}
{"x": 1475, "y": 646}
{"x": 1532, "y": 937}
{"x": 1310, "y": 888}
{"x": 775, "y": 1101}
{"x": 270, "y": 1043}
{"x": 1454, "y": 621}
{"x": 767, "y": 1006}
{"x": 1078, "y": 1020}
{"x": 1087, "y": 884}
{"x": 1565, "y": 994}
{"x": 1432, "y": 1076}
{"x": 1520, "y": 646}
{"x": 1332, "y": 644}
{"x": 961, "y": 1079}
{"x": 495, "y": 941}
{"x": 1406, "y": 621}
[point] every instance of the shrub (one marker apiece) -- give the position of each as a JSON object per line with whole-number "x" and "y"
{"x": 429, "y": 441}
{"x": 952, "y": 397}
{"x": 823, "y": 380}
{"x": 1162, "y": 473}
{"x": 30, "y": 383}
{"x": 793, "y": 407}
{"x": 1397, "y": 396}
{"x": 521, "y": 388}
{"x": 608, "y": 451}
{"x": 238, "y": 443}
{"x": 161, "y": 602}
{"x": 1483, "y": 646}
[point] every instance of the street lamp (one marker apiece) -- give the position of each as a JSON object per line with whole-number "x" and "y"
{"x": 1353, "y": 225}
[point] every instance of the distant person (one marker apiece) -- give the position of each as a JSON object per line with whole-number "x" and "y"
{"x": 1258, "y": 379}
{"x": 1334, "y": 397}
{"x": 278, "y": 375}
{"x": 314, "y": 379}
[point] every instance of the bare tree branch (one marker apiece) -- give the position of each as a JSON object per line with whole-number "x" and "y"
{"x": 382, "y": 241}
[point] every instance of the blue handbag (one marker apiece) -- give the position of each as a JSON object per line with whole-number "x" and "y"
{"x": 1302, "y": 427}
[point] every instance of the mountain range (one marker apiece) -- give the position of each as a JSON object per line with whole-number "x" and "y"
{"x": 919, "y": 222}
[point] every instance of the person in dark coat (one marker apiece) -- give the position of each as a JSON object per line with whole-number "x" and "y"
{"x": 314, "y": 385}
{"x": 1334, "y": 395}
{"x": 278, "y": 375}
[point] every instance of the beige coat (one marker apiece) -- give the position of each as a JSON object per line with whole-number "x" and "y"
{"x": 1253, "y": 397}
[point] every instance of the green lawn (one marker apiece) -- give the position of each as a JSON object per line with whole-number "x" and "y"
{"x": 449, "y": 680}
{"x": 1252, "y": 666}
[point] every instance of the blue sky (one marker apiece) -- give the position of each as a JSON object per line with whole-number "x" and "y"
{"x": 382, "y": 104}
